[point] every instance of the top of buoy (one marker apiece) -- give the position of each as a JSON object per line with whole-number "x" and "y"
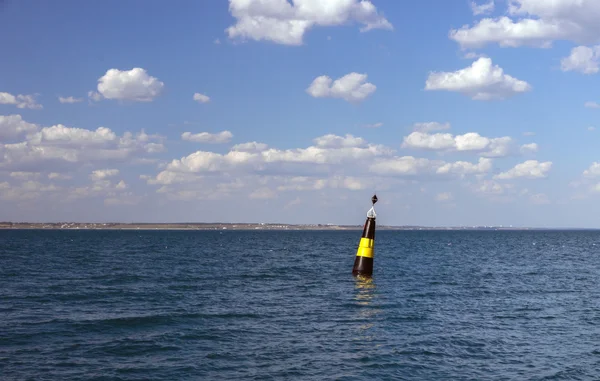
{"x": 374, "y": 199}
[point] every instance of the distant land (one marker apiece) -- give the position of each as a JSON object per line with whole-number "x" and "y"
{"x": 241, "y": 226}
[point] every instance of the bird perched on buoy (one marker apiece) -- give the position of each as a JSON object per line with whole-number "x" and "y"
{"x": 363, "y": 263}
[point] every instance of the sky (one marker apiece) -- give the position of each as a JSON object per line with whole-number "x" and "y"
{"x": 455, "y": 113}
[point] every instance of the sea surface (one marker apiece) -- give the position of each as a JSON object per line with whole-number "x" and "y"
{"x": 265, "y": 305}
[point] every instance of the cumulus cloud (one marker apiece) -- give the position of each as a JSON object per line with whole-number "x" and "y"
{"x": 531, "y": 169}
{"x": 250, "y": 147}
{"x": 262, "y": 193}
{"x": 331, "y": 151}
{"x": 201, "y": 98}
{"x": 59, "y": 176}
{"x": 24, "y": 175}
{"x": 69, "y": 100}
{"x": 352, "y": 87}
{"x": 282, "y": 22}
{"x": 59, "y": 145}
{"x": 27, "y": 191}
{"x": 481, "y": 81}
{"x": 405, "y": 165}
{"x": 593, "y": 170}
{"x": 430, "y": 126}
{"x": 471, "y": 141}
{"x": 529, "y": 148}
{"x": 583, "y": 59}
{"x": 490, "y": 187}
{"x": 482, "y": 8}
{"x": 463, "y": 168}
{"x": 21, "y": 101}
{"x": 132, "y": 85}
{"x": 535, "y": 23}
{"x": 304, "y": 183}
{"x": 101, "y": 174}
{"x": 411, "y": 166}
{"x": 206, "y": 137}
{"x": 13, "y": 126}
{"x": 334, "y": 141}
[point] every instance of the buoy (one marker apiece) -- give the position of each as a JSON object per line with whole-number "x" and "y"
{"x": 363, "y": 263}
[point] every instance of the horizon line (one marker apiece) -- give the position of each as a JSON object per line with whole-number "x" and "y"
{"x": 320, "y": 225}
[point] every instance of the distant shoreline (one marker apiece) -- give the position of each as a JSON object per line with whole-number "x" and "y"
{"x": 252, "y": 227}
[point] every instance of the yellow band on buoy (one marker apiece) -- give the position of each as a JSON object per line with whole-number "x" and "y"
{"x": 365, "y": 248}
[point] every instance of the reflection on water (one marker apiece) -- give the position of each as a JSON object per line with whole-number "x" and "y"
{"x": 365, "y": 287}
{"x": 366, "y": 297}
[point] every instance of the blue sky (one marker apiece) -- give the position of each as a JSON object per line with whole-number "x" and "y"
{"x": 455, "y": 113}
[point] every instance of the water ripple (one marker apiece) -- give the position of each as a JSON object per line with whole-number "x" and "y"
{"x": 155, "y": 305}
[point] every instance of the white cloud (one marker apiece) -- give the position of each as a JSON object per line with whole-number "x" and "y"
{"x": 471, "y": 141}
{"x": 532, "y": 169}
{"x": 56, "y": 146}
{"x": 101, "y": 174}
{"x": 95, "y": 96}
{"x": 463, "y": 168}
{"x": 24, "y": 175}
{"x": 327, "y": 160}
{"x": 27, "y": 191}
{"x": 21, "y": 101}
{"x": 303, "y": 183}
{"x": 591, "y": 128}
{"x": 593, "y": 170}
{"x": 332, "y": 152}
{"x": 592, "y": 105}
{"x": 131, "y": 85}
{"x": 473, "y": 55}
{"x": 334, "y": 141}
{"x": 62, "y": 135}
{"x": 352, "y": 87}
{"x": 262, "y": 193}
{"x": 69, "y": 100}
{"x": 528, "y": 133}
{"x": 483, "y": 8}
{"x": 250, "y": 147}
{"x": 480, "y": 81}
{"x": 405, "y": 165}
{"x": 537, "y": 23}
{"x": 126, "y": 198}
{"x": 430, "y": 126}
{"x": 529, "y": 148}
{"x": 121, "y": 185}
{"x": 373, "y": 125}
{"x": 582, "y": 59}
{"x": 201, "y": 98}
{"x": 411, "y": 166}
{"x": 206, "y": 137}
{"x": 490, "y": 187}
{"x": 280, "y": 22}
{"x": 13, "y": 126}
{"x": 442, "y": 197}
{"x": 59, "y": 176}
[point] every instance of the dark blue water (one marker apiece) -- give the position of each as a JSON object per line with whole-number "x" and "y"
{"x": 174, "y": 305}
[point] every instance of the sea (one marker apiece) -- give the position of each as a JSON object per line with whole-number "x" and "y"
{"x": 283, "y": 305}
